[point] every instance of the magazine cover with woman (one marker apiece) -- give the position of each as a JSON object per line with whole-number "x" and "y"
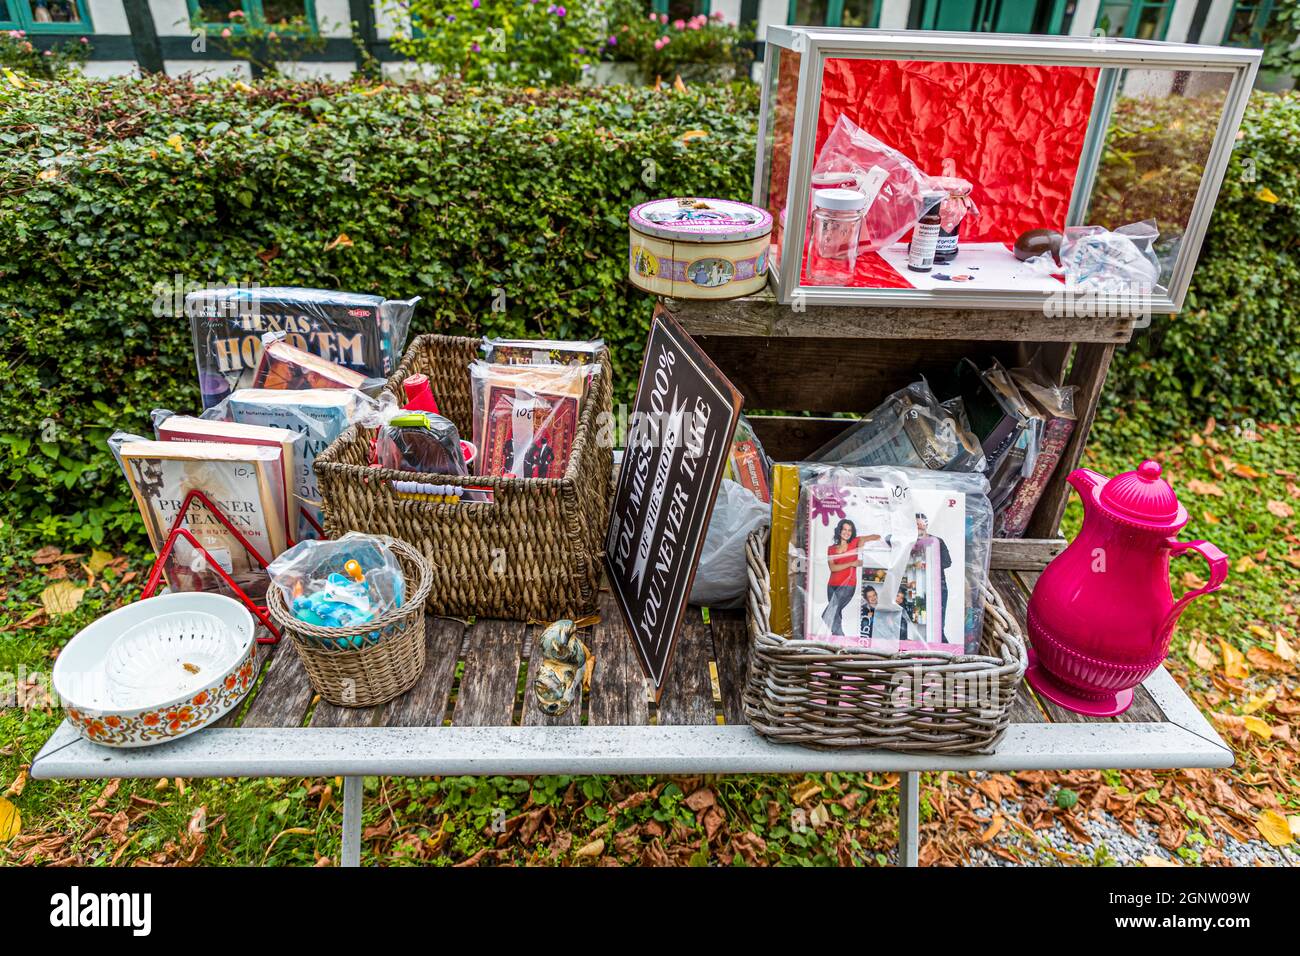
{"x": 886, "y": 568}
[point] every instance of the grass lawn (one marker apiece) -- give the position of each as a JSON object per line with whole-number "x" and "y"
{"x": 1235, "y": 651}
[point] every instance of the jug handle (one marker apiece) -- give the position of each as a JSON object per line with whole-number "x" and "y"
{"x": 1218, "y": 562}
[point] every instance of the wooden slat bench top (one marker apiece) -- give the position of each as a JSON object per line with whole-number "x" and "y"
{"x": 477, "y": 679}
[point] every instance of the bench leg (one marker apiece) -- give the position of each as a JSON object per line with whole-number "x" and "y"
{"x": 909, "y": 817}
{"x": 351, "y": 855}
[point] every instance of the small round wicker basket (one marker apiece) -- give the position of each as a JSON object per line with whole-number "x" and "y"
{"x": 391, "y": 655}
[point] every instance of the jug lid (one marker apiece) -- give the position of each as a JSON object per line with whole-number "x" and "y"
{"x": 1143, "y": 498}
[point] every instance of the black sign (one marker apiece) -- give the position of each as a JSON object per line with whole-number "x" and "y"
{"x": 679, "y": 434}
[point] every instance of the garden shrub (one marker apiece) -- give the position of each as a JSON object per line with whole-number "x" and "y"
{"x": 111, "y": 193}
{"x": 505, "y": 209}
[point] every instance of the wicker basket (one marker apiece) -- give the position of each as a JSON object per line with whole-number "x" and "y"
{"x": 391, "y": 658}
{"x": 827, "y": 695}
{"x": 533, "y": 552}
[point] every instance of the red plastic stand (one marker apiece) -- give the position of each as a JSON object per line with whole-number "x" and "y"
{"x": 155, "y": 576}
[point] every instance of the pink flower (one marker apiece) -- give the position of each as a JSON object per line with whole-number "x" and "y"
{"x": 271, "y": 35}
{"x": 659, "y": 44}
{"x": 225, "y": 32}
{"x": 235, "y": 14}
{"x": 679, "y": 24}
{"x": 613, "y": 40}
{"x": 663, "y": 18}
{"x": 717, "y": 15}
{"x": 654, "y": 18}
{"x": 473, "y": 4}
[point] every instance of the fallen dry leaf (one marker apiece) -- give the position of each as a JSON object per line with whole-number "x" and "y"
{"x": 1284, "y": 650}
{"x": 20, "y": 783}
{"x": 11, "y": 821}
{"x": 592, "y": 850}
{"x": 1198, "y": 487}
{"x": 1234, "y": 662}
{"x": 1200, "y": 655}
{"x": 1279, "y": 509}
{"x": 993, "y": 829}
{"x": 805, "y": 792}
{"x": 1274, "y": 827}
{"x": 1258, "y": 727}
{"x": 340, "y": 240}
{"x": 61, "y": 597}
{"x": 1152, "y": 860}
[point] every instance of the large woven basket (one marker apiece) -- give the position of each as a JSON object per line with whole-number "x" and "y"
{"x": 533, "y": 552}
{"x": 828, "y": 695}
{"x": 391, "y": 655}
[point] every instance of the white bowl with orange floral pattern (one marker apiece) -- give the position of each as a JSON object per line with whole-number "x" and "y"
{"x": 158, "y": 669}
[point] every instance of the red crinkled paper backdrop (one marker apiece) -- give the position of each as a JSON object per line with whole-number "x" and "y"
{"x": 1015, "y": 131}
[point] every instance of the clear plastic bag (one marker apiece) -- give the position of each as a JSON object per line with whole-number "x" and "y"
{"x": 721, "y": 577}
{"x": 1055, "y": 405}
{"x": 320, "y": 415}
{"x": 349, "y": 581}
{"x": 365, "y": 333}
{"x": 526, "y": 417}
{"x": 419, "y": 442}
{"x": 540, "y": 351}
{"x": 892, "y": 183}
{"x": 1122, "y": 261}
{"x": 287, "y": 367}
{"x": 911, "y": 428}
{"x": 890, "y": 558}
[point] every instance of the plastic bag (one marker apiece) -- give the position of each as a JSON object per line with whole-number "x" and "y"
{"x": 721, "y": 577}
{"x": 892, "y": 183}
{"x": 911, "y": 428}
{"x": 1120, "y": 261}
{"x": 890, "y": 558}
{"x": 364, "y": 333}
{"x": 1009, "y": 429}
{"x": 420, "y": 442}
{"x": 351, "y": 580}
{"x": 541, "y": 351}
{"x": 320, "y": 415}
{"x": 238, "y": 480}
{"x": 168, "y": 426}
{"x": 1055, "y": 405}
{"x": 526, "y": 417}
{"x": 284, "y": 366}
{"x": 747, "y": 462}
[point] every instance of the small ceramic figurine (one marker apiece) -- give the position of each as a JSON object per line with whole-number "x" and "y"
{"x": 564, "y": 659}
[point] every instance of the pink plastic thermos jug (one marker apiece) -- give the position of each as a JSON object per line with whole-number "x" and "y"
{"x": 1102, "y": 614}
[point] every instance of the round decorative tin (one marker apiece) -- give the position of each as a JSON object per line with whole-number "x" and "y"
{"x": 689, "y": 248}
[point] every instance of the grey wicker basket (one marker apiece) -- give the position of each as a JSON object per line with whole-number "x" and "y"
{"x": 533, "y": 552}
{"x": 828, "y": 695}
{"x": 390, "y": 657}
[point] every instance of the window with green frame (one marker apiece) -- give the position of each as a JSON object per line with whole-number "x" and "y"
{"x": 1136, "y": 19}
{"x": 835, "y": 13}
{"x": 45, "y": 16}
{"x": 1247, "y": 23}
{"x": 241, "y": 14}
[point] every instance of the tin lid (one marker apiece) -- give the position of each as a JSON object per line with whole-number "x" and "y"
{"x": 847, "y": 199}
{"x": 700, "y": 220}
{"x": 1144, "y": 498}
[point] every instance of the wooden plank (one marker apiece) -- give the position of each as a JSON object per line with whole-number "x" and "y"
{"x": 1088, "y": 372}
{"x": 731, "y": 655}
{"x": 532, "y": 711}
{"x": 261, "y": 655}
{"x": 810, "y": 374}
{"x": 491, "y": 678}
{"x": 329, "y": 715}
{"x": 425, "y": 704}
{"x": 794, "y": 437}
{"x": 687, "y": 692}
{"x": 1025, "y": 554}
{"x": 286, "y": 693}
{"x": 760, "y": 315}
{"x": 618, "y": 695}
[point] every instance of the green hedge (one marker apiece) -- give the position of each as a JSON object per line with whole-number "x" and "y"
{"x": 109, "y": 189}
